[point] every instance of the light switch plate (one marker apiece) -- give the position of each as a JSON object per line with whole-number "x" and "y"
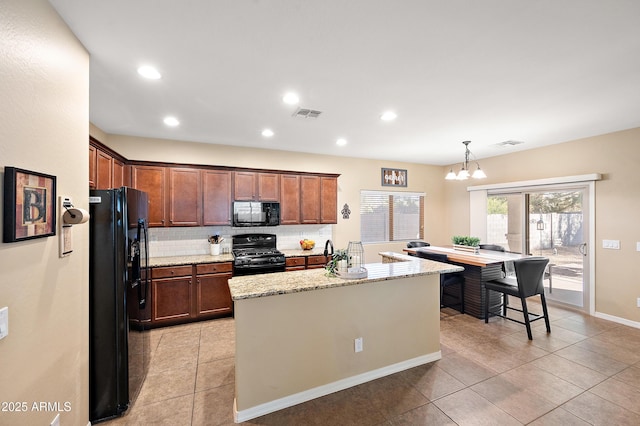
{"x": 611, "y": 244}
{"x": 4, "y": 322}
{"x": 637, "y": 246}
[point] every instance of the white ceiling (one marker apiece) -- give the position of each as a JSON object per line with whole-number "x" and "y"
{"x": 542, "y": 72}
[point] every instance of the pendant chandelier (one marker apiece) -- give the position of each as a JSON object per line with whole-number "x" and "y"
{"x": 464, "y": 172}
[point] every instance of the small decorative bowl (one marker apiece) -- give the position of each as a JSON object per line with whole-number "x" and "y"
{"x": 307, "y": 246}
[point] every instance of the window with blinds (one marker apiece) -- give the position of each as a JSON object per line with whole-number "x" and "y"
{"x": 391, "y": 216}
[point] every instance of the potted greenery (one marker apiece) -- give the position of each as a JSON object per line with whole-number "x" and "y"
{"x": 465, "y": 243}
{"x": 338, "y": 261}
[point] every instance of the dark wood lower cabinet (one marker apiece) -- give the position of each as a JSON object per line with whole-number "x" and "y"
{"x": 212, "y": 286}
{"x": 190, "y": 293}
{"x": 171, "y": 300}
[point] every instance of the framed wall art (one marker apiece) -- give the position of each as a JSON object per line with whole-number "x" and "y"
{"x": 29, "y": 205}
{"x": 394, "y": 177}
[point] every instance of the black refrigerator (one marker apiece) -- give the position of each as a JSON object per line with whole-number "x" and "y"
{"x": 119, "y": 347}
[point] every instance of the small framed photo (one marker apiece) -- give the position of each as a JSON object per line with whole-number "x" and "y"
{"x": 29, "y": 205}
{"x": 394, "y": 177}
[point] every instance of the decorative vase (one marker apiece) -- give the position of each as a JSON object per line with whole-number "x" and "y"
{"x": 215, "y": 249}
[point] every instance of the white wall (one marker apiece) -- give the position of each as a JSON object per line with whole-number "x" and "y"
{"x": 44, "y": 124}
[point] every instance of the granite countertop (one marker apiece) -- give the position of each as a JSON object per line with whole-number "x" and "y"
{"x": 253, "y": 286}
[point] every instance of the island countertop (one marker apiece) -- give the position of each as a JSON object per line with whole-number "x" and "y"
{"x": 262, "y": 285}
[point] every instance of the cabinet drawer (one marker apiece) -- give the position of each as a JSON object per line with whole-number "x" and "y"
{"x": 316, "y": 260}
{"x": 295, "y": 261}
{"x": 214, "y": 268}
{"x": 171, "y": 271}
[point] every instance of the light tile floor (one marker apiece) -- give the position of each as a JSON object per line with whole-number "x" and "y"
{"x": 587, "y": 371}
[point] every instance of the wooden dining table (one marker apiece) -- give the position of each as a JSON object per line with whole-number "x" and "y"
{"x": 480, "y": 267}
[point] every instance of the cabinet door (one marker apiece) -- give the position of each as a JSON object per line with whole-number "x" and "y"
{"x": 118, "y": 174}
{"x": 184, "y": 197}
{"x": 244, "y": 186}
{"x": 310, "y": 199}
{"x": 92, "y": 166}
{"x": 103, "y": 170}
{"x": 151, "y": 179}
{"x": 216, "y": 186}
{"x": 290, "y": 199}
{"x": 172, "y": 299}
{"x": 268, "y": 187}
{"x": 317, "y": 262}
{"x": 328, "y": 200}
{"x": 213, "y": 296}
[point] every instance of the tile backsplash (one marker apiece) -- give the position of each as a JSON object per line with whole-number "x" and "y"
{"x": 187, "y": 241}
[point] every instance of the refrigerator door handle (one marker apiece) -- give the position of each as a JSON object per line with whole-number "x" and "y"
{"x": 143, "y": 290}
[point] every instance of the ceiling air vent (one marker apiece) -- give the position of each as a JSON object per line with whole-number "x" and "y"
{"x": 509, "y": 143}
{"x": 306, "y": 113}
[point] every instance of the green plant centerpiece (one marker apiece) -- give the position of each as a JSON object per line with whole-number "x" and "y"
{"x": 465, "y": 241}
{"x": 332, "y": 265}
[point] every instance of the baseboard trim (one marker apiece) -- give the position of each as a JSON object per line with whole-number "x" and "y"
{"x": 618, "y": 320}
{"x": 317, "y": 392}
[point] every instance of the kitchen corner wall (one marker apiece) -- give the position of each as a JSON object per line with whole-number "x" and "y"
{"x": 193, "y": 240}
{"x": 44, "y": 122}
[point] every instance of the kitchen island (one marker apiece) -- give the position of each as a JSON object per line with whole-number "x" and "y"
{"x": 297, "y": 332}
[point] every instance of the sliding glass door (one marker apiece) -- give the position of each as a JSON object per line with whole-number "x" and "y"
{"x": 549, "y": 222}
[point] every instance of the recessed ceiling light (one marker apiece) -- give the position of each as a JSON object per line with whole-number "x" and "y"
{"x": 171, "y": 121}
{"x": 149, "y": 72}
{"x": 341, "y": 142}
{"x": 388, "y": 116}
{"x": 267, "y": 133}
{"x": 290, "y": 98}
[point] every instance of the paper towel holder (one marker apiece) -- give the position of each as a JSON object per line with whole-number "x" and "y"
{"x": 70, "y": 216}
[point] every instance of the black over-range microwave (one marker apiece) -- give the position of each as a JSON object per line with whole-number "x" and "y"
{"x": 255, "y": 213}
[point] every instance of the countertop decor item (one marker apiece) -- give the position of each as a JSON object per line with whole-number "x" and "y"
{"x": 337, "y": 263}
{"x": 306, "y": 244}
{"x": 465, "y": 243}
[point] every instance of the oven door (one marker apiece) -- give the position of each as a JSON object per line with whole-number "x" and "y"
{"x": 257, "y": 269}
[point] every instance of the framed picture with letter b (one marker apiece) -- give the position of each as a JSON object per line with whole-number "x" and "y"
{"x": 29, "y": 205}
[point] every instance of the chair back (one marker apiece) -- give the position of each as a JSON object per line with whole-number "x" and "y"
{"x": 492, "y": 247}
{"x": 414, "y": 244}
{"x": 432, "y": 256}
{"x": 529, "y": 273}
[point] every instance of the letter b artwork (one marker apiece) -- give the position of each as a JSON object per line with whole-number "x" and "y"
{"x": 29, "y": 205}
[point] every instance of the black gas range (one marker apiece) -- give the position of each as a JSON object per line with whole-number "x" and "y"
{"x": 256, "y": 254}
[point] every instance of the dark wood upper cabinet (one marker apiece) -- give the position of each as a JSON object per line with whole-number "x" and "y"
{"x": 328, "y": 199}
{"x": 253, "y": 186}
{"x": 92, "y": 166}
{"x": 152, "y": 180}
{"x": 216, "y": 194}
{"x": 104, "y": 170}
{"x": 192, "y": 195}
{"x": 185, "y": 200}
{"x": 118, "y": 175}
{"x": 268, "y": 187}
{"x": 289, "y": 199}
{"x": 309, "y": 199}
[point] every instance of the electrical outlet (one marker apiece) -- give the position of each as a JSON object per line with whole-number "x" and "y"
{"x": 358, "y": 344}
{"x": 638, "y": 302}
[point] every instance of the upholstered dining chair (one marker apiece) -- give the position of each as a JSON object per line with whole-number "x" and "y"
{"x": 492, "y": 247}
{"x": 507, "y": 266}
{"x": 416, "y": 244}
{"x": 447, "y": 280}
{"x": 526, "y": 283}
